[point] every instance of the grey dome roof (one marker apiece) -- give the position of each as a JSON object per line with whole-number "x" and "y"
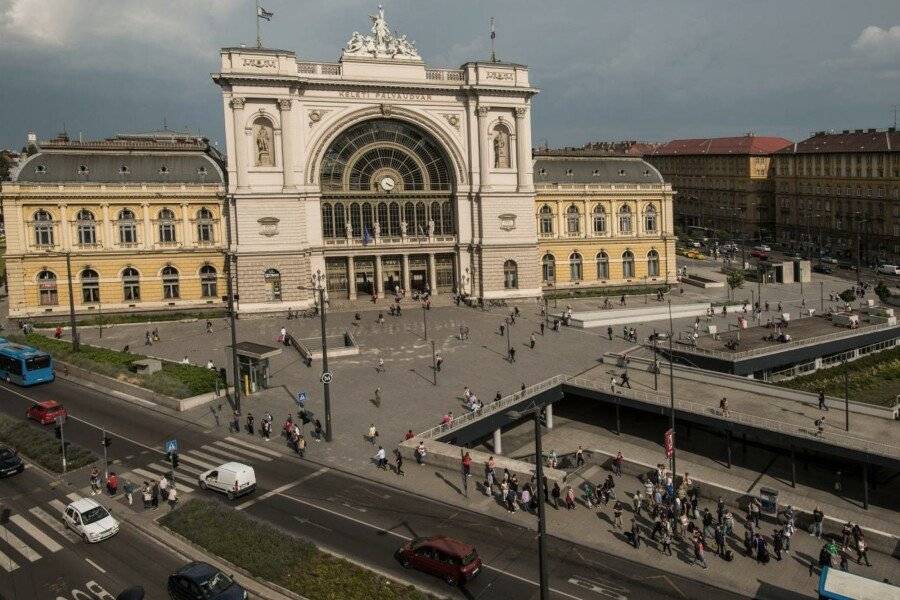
{"x": 594, "y": 169}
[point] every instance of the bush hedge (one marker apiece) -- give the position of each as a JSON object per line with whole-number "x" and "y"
{"x": 175, "y": 379}
{"x": 41, "y": 445}
{"x": 269, "y": 554}
{"x": 606, "y": 291}
{"x": 114, "y": 318}
{"x": 874, "y": 379}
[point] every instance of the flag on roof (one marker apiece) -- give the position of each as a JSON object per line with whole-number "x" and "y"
{"x": 264, "y": 14}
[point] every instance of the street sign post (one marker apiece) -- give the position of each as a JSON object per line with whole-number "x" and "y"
{"x": 171, "y": 446}
{"x": 62, "y": 440}
{"x": 301, "y": 399}
{"x": 327, "y": 377}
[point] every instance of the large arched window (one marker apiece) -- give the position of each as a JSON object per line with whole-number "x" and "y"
{"x": 510, "y": 275}
{"x": 340, "y": 221}
{"x": 435, "y": 217}
{"x": 131, "y": 284}
{"x": 576, "y": 267}
{"x": 43, "y": 228}
{"x": 627, "y": 264}
{"x": 653, "y": 263}
{"x": 272, "y": 278}
{"x": 368, "y": 220}
{"x": 327, "y": 220}
{"x": 650, "y": 221}
{"x": 87, "y": 227}
{"x": 602, "y": 266}
{"x": 90, "y": 286}
{"x": 166, "y": 226}
{"x": 447, "y": 217}
{"x": 171, "y": 286}
{"x": 205, "y": 226}
{"x": 548, "y": 268}
{"x": 573, "y": 220}
{"x": 545, "y": 220}
{"x": 421, "y": 219}
{"x": 394, "y": 210}
{"x": 625, "y": 219}
{"x": 127, "y": 227}
{"x": 355, "y": 220}
{"x": 47, "y": 288}
{"x": 384, "y": 223}
{"x": 599, "y": 220}
{"x": 208, "y": 281}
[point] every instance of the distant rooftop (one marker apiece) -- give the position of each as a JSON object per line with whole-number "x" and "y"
{"x": 605, "y": 148}
{"x": 748, "y": 144}
{"x": 857, "y": 140}
{"x": 586, "y": 167}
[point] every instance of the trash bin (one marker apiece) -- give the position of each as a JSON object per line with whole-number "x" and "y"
{"x": 768, "y": 498}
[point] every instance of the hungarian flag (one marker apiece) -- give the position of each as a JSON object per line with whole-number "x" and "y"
{"x": 264, "y": 14}
{"x": 367, "y": 238}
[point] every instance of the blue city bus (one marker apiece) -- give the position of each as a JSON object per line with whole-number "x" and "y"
{"x": 24, "y": 365}
{"x": 835, "y": 584}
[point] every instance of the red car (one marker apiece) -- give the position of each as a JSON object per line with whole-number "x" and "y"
{"x": 760, "y": 254}
{"x": 453, "y": 561}
{"x": 46, "y": 412}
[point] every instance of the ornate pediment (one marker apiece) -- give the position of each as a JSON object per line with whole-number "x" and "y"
{"x": 382, "y": 44}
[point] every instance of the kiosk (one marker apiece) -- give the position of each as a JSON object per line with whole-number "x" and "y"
{"x": 253, "y": 362}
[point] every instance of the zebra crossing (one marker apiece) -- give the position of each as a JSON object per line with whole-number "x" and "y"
{"x": 194, "y": 462}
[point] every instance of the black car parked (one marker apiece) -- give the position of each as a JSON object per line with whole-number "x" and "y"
{"x": 824, "y": 269}
{"x": 10, "y": 462}
{"x": 202, "y": 581}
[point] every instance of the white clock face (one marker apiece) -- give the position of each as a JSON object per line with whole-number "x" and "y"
{"x": 387, "y": 183}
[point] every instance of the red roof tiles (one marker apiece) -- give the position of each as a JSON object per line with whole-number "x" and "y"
{"x": 858, "y": 140}
{"x": 745, "y": 144}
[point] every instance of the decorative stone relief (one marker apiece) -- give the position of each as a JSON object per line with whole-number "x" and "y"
{"x": 386, "y": 110}
{"x": 481, "y": 111}
{"x": 285, "y": 104}
{"x": 268, "y": 226}
{"x": 316, "y": 115}
{"x": 237, "y": 103}
{"x": 452, "y": 119}
{"x": 507, "y": 221}
{"x": 260, "y": 63}
{"x": 382, "y": 43}
{"x": 521, "y": 112}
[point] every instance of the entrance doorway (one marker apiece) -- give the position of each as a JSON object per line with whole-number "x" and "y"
{"x": 391, "y": 276}
{"x": 418, "y": 273}
{"x": 365, "y": 275}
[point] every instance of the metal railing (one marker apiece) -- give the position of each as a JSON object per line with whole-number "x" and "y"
{"x": 308, "y": 68}
{"x": 445, "y": 75}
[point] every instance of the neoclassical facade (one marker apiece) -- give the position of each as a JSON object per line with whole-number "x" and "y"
{"x": 602, "y": 221}
{"x": 138, "y": 216}
{"x": 377, "y": 172}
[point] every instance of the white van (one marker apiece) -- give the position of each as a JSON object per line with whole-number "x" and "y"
{"x": 888, "y": 269}
{"x": 232, "y": 479}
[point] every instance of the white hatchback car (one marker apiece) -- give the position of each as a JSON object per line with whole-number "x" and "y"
{"x": 888, "y": 270}
{"x": 89, "y": 519}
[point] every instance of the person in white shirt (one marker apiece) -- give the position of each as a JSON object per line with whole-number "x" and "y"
{"x": 380, "y": 458}
{"x": 185, "y": 361}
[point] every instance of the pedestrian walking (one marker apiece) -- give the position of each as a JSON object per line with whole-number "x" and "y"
{"x": 666, "y": 543}
{"x": 609, "y": 332}
{"x": 95, "y": 481}
{"x": 819, "y": 425}
{"x": 250, "y": 420}
{"x": 635, "y": 533}
{"x": 380, "y": 459}
{"x": 235, "y": 424}
{"x": 723, "y": 406}
{"x": 502, "y": 329}
{"x": 818, "y": 518}
{"x": 720, "y": 540}
{"x": 267, "y": 429}
{"x": 512, "y": 354}
{"x": 209, "y": 326}
{"x": 172, "y": 496}
{"x": 377, "y": 399}
{"x": 318, "y": 432}
{"x": 154, "y": 496}
{"x": 379, "y": 368}
{"x": 531, "y": 341}
{"x": 700, "y": 552}
{"x": 129, "y": 489}
{"x": 862, "y": 551}
{"x": 822, "y": 400}
{"x": 420, "y": 453}
{"x": 579, "y": 457}
{"x": 147, "y": 340}
{"x": 625, "y": 382}
{"x": 112, "y": 483}
{"x": 617, "y": 464}
{"x": 301, "y": 444}
{"x": 617, "y": 514}
{"x": 753, "y": 510}
{"x": 398, "y": 460}
{"x": 438, "y": 361}
{"x": 778, "y": 543}
{"x": 570, "y": 497}
{"x": 146, "y": 496}
{"x": 372, "y": 434}
{"x": 542, "y": 328}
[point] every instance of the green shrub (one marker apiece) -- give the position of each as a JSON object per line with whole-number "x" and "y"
{"x": 137, "y": 318}
{"x": 270, "y": 554}
{"x": 41, "y": 446}
{"x": 848, "y": 295}
{"x": 874, "y": 379}
{"x": 882, "y": 291}
{"x": 588, "y": 292}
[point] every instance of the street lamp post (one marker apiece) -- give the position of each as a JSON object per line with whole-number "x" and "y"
{"x": 672, "y": 388}
{"x": 319, "y": 281}
{"x": 425, "y": 321}
{"x": 229, "y": 285}
{"x": 846, "y": 398}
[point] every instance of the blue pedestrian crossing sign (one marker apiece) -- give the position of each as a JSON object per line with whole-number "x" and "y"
{"x": 301, "y": 398}
{"x": 171, "y": 446}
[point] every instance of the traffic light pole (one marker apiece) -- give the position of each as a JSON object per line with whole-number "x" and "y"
{"x": 105, "y": 443}
{"x": 229, "y": 283}
{"x": 326, "y": 380}
{"x": 62, "y": 441}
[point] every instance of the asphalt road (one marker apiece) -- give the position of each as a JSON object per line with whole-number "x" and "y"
{"x": 356, "y": 518}
{"x": 56, "y": 563}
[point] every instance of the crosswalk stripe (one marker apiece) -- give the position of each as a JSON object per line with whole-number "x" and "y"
{"x": 7, "y": 563}
{"x": 179, "y": 479}
{"x": 168, "y": 468}
{"x": 41, "y": 537}
{"x": 195, "y": 461}
{"x": 216, "y": 459}
{"x": 48, "y": 520}
{"x": 18, "y": 545}
{"x": 232, "y": 448}
{"x": 230, "y": 455}
{"x": 59, "y": 506}
{"x": 241, "y": 442}
{"x": 74, "y": 497}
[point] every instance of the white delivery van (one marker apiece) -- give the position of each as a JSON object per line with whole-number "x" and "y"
{"x": 232, "y": 479}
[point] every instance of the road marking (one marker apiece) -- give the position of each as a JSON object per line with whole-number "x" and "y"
{"x": 41, "y": 537}
{"x": 407, "y": 538}
{"x": 241, "y": 442}
{"x": 53, "y": 523}
{"x": 308, "y": 522}
{"x": 74, "y": 497}
{"x": 179, "y": 479}
{"x": 165, "y": 468}
{"x": 18, "y": 545}
{"x": 204, "y": 455}
{"x": 239, "y": 450}
{"x": 58, "y": 505}
{"x": 281, "y": 489}
{"x": 7, "y": 563}
{"x": 233, "y": 454}
{"x": 95, "y": 565}
{"x": 199, "y": 463}
{"x": 594, "y": 586}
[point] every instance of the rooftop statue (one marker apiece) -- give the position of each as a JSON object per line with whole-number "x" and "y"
{"x": 382, "y": 43}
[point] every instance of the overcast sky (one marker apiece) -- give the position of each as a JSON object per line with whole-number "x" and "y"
{"x": 626, "y": 69}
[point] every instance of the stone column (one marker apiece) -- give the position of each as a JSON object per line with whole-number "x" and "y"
{"x": 379, "y": 277}
{"x": 287, "y": 143}
{"x": 351, "y": 278}
{"x": 523, "y": 150}
{"x": 107, "y": 241}
{"x": 498, "y": 441}
{"x": 405, "y": 266}
{"x": 65, "y": 233}
{"x": 186, "y": 240}
{"x": 432, "y": 273}
{"x": 240, "y": 142}
{"x": 548, "y": 416}
{"x": 148, "y": 227}
{"x": 484, "y": 146}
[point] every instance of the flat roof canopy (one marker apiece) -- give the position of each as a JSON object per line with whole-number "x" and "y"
{"x": 258, "y": 351}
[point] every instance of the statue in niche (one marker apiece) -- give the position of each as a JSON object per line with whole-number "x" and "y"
{"x": 349, "y": 227}
{"x": 501, "y": 148}
{"x": 403, "y": 228}
{"x": 430, "y": 227}
{"x": 265, "y": 157}
{"x": 376, "y": 227}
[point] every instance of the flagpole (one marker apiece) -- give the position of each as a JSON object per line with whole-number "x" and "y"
{"x": 493, "y": 36}
{"x": 258, "y": 38}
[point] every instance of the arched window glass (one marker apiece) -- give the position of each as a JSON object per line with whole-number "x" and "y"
{"x": 205, "y": 226}
{"x": 43, "y": 229}
{"x": 166, "y": 226}
{"x": 395, "y": 218}
{"x": 435, "y": 216}
{"x": 545, "y": 220}
{"x": 548, "y": 268}
{"x": 650, "y": 219}
{"x": 90, "y": 286}
{"x": 356, "y": 220}
{"x": 447, "y": 217}
{"x": 340, "y": 221}
{"x": 208, "y": 281}
{"x": 576, "y": 272}
{"x": 87, "y": 228}
{"x": 171, "y": 287}
{"x": 421, "y": 219}
{"x": 510, "y": 275}
{"x": 625, "y": 219}
{"x": 383, "y": 221}
{"x": 327, "y": 220}
{"x": 653, "y": 263}
{"x": 127, "y": 227}
{"x": 573, "y": 220}
{"x": 368, "y": 220}
{"x": 47, "y": 288}
{"x": 599, "y": 220}
{"x": 603, "y": 266}
{"x": 627, "y": 264}
{"x": 131, "y": 285}
{"x": 272, "y": 278}
{"x": 409, "y": 215}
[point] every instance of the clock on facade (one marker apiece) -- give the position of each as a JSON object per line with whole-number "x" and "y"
{"x": 387, "y": 183}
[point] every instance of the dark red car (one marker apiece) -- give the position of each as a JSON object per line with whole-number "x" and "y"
{"x": 453, "y": 561}
{"x": 760, "y": 254}
{"x": 46, "y": 412}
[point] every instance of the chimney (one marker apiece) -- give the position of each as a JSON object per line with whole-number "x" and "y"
{"x": 872, "y": 130}
{"x": 846, "y": 131}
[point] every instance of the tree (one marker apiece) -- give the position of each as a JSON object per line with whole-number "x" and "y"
{"x": 848, "y": 295}
{"x": 882, "y": 291}
{"x": 735, "y": 280}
